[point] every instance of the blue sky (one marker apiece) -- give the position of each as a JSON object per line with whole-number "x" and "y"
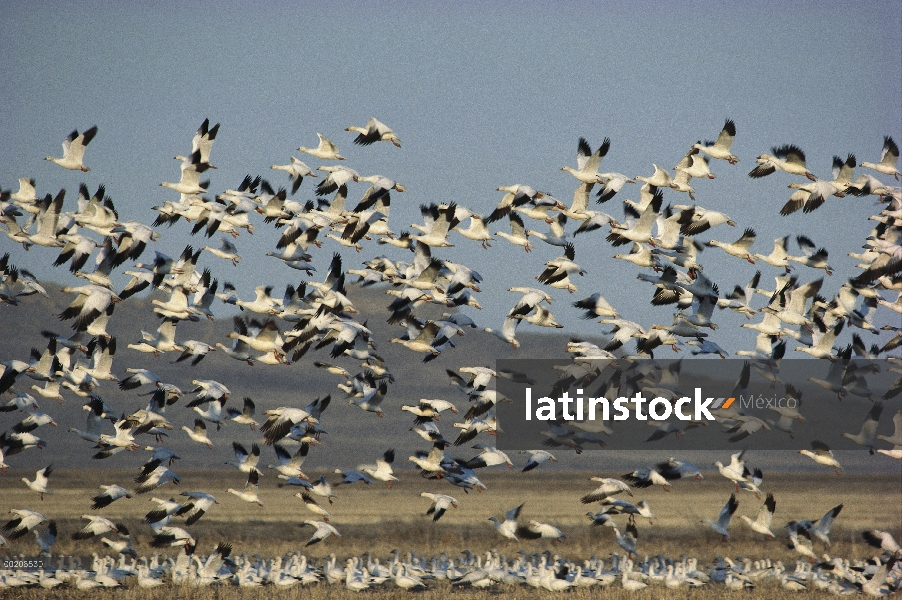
{"x": 481, "y": 95}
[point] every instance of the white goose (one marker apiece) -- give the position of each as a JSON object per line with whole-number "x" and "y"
{"x": 762, "y": 523}
{"x": 723, "y": 520}
{"x": 74, "y": 150}
{"x": 374, "y": 131}
{"x": 40, "y": 482}
{"x": 326, "y": 150}
{"x": 721, "y": 148}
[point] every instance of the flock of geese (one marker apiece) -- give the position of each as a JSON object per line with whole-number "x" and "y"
{"x": 318, "y": 316}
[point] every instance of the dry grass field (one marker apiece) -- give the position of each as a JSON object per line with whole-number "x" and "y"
{"x": 376, "y": 519}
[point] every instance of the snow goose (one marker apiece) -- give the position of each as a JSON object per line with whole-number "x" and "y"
{"x": 647, "y": 477}
{"x": 382, "y": 470}
{"x": 245, "y": 461}
{"x": 881, "y": 539}
{"x": 289, "y": 465}
{"x": 516, "y": 195}
{"x": 587, "y": 162}
{"x": 896, "y": 438}
{"x": 97, "y": 525}
{"x": 189, "y": 183}
{"x": 536, "y": 458}
{"x": 739, "y": 248}
{"x": 723, "y": 521}
{"x": 245, "y": 416}
{"x": 440, "y": 503}
{"x": 199, "y": 433}
{"x": 889, "y": 159}
{"x": 196, "y": 506}
{"x": 351, "y": 476}
{"x": 374, "y": 131}
{"x": 110, "y": 494}
{"x": 628, "y": 540}
{"x": 821, "y": 530}
{"x": 508, "y": 527}
{"x": 313, "y": 506}
{"x": 660, "y": 178}
{"x": 47, "y": 538}
{"x": 154, "y": 479}
{"x": 735, "y": 470}
{"x": 249, "y": 494}
{"x": 326, "y": 150}
{"x": 866, "y": 437}
{"x": 517, "y": 236}
{"x": 595, "y": 306}
{"x": 720, "y": 149}
{"x": 40, "y": 481}
{"x": 296, "y": 170}
{"x": 787, "y": 158}
{"x": 608, "y": 487}
{"x": 74, "y": 150}
{"x": 762, "y": 523}
{"x": 323, "y": 530}
{"x": 822, "y": 455}
{"x": 24, "y": 521}
{"x": 488, "y": 456}
{"x": 611, "y": 184}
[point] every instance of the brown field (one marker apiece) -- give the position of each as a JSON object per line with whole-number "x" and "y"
{"x": 374, "y": 518}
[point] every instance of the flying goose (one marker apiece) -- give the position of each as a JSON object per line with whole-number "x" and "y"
{"x": 97, "y": 525}
{"x": 199, "y": 433}
{"x": 587, "y": 162}
{"x": 74, "y": 150}
{"x": 889, "y": 159}
{"x": 865, "y": 437}
{"x": 723, "y": 521}
{"x": 250, "y": 489}
{"x": 508, "y": 527}
{"x": 440, "y": 503}
{"x": 787, "y": 158}
{"x": 762, "y": 523}
{"x": 313, "y": 506}
{"x": 296, "y": 170}
{"x": 821, "y": 530}
{"x": 110, "y": 494}
{"x": 40, "y": 481}
{"x": 720, "y": 149}
{"x": 323, "y": 530}
{"x": 325, "y": 151}
{"x": 382, "y": 470}
{"x": 374, "y": 131}
{"x": 822, "y": 455}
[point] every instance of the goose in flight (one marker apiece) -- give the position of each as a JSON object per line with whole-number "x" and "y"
{"x": 440, "y": 503}
{"x": 822, "y": 455}
{"x": 508, "y": 527}
{"x": 762, "y": 523}
{"x": 40, "y": 482}
{"x": 199, "y": 433}
{"x": 821, "y": 530}
{"x": 326, "y": 150}
{"x": 587, "y": 162}
{"x": 723, "y": 521}
{"x": 382, "y": 470}
{"x": 74, "y": 150}
{"x": 250, "y": 489}
{"x": 97, "y": 525}
{"x": 374, "y": 131}
{"x": 296, "y": 170}
{"x": 245, "y": 461}
{"x": 787, "y": 158}
{"x": 196, "y": 506}
{"x": 313, "y": 506}
{"x": 889, "y": 159}
{"x": 24, "y": 521}
{"x": 110, "y": 494}
{"x": 536, "y": 458}
{"x": 323, "y": 530}
{"x": 720, "y": 149}
{"x": 866, "y": 437}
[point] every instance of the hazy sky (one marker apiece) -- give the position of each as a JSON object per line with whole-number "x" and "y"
{"x": 481, "y": 95}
